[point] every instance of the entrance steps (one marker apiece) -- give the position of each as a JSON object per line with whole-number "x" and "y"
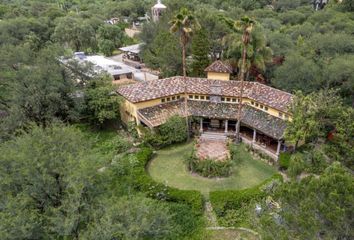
{"x": 215, "y": 136}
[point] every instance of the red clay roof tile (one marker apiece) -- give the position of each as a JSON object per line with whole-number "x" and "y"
{"x": 144, "y": 91}
{"x": 220, "y": 67}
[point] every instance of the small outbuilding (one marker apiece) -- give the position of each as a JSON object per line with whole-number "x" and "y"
{"x": 219, "y": 70}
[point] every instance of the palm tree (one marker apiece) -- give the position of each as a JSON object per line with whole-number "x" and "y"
{"x": 245, "y": 26}
{"x": 183, "y": 23}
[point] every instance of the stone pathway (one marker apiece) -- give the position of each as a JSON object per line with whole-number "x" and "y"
{"x": 210, "y": 215}
{"x": 212, "y": 146}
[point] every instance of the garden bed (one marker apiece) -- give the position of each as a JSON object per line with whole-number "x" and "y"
{"x": 168, "y": 166}
{"x": 210, "y": 159}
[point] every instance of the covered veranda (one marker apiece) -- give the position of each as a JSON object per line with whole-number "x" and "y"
{"x": 249, "y": 135}
{"x": 259, "y": 129}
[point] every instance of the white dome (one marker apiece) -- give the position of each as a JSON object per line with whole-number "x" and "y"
{"x": 159, "y": 5}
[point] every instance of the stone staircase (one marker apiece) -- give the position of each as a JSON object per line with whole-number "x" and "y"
{"x": 213, "y": 136}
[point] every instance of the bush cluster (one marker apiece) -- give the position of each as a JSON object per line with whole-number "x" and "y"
{"x": 260, "y": 154}
{"x": 208, "y": 167}
{"x": 284, "y": 160}
{"x": 144, "y": 183}
{"x": 173, "y": 131}
{"x": 233, "y": 200}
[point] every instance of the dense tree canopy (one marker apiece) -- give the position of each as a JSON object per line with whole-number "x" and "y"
{"x": 325, "y": 212}
{"x": 47, "y": 183}
{"x": 59, "y": 183}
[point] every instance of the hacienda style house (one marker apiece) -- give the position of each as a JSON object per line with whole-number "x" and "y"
{"x": 214, "y": 102}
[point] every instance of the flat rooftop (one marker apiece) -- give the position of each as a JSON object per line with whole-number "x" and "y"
{"x": 112, "y": 67}
{"x": 132, "y": 48}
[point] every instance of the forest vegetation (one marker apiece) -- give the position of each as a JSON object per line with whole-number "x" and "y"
{"x": 70, "y": 170}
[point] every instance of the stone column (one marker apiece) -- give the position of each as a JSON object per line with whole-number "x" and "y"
{"x": 226, "y": 125}
{"x": 278, "y": 147}
{"x": 201, "y": 125}
{"x": 254, "y": 135}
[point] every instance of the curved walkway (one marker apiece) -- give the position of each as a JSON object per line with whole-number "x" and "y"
{"x": 168, "y": 167}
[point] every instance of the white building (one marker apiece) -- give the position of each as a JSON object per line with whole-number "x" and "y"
{"x": 119, "y": 71}
{"x": 157, "y": 10}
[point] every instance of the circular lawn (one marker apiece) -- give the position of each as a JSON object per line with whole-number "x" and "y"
{"x": 168, "y": 167}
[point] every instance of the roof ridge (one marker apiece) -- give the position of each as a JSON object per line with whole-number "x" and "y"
{"x": 219, "y": 66}
{"x": 279, "y": 90}
{"x": 159, "y": 88}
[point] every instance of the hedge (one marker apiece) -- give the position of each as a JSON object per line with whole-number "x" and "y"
{"x": 222, "y": 201}
{"x": 144, "y": 183}
{"x": 284, "y": 160}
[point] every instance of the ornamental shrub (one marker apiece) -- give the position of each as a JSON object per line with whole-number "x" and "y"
{"x": 284, "y": 160}
{"x": 297, "y": 165}
{"x": 174, "y": 130}
{"x": 208, "y": 167}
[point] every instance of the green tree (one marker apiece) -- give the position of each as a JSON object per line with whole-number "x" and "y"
{"x": 315, "y": 207}
{"x": 200, "y": 53}
{"x": 245, "y": 26}
{"x": 348, "y": 5}
{"x": 216, "y": 30}
{"x": 76, "y": 33}
{"x": 110, "y": 37}
{"x": 297, "y": 73}
{"x": 320, "y": 120}
{"x": 101, "y": 102}
{"x": 340, "y": 74}
{"x": 37, "y": 88}
{"x": 304, "y": 124}
{"x": 132, "y": 217}
{"x": 47, "y": 184}
{"x": 184, "y": 23}
{"x": 174, "y": 130}
{"x": 258, "y": 54}
{"x": 106, "y": 46}
{"x": 163, "y": 54}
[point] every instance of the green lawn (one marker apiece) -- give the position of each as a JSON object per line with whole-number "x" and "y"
{"x": 168, "y": 167}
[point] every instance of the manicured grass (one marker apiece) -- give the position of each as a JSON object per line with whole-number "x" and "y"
{"x": 168, "y": 167}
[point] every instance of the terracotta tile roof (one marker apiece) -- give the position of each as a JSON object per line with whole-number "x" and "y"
{"x": 272, "y": 97}
{"x": 219, "y": 66}
{"x": 153, "y": 89}
{"x": 159, "y": 114}
{"x": 263, "y": 122}
{"x": 149, "y": 90}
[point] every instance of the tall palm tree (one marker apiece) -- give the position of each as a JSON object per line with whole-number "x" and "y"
{"x": 245, "y": 26}
{"x": 183, "y": 24}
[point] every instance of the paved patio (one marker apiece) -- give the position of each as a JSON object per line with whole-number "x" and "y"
{"x": 212, "y": 149}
